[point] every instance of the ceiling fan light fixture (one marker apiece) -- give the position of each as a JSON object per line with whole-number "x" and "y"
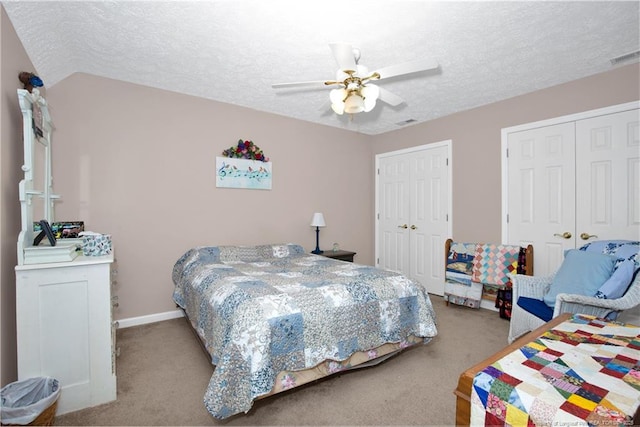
{"x": 370, "y": 94}
{"x": 338, "y": 96}
{"x": 354, "y": 103}
{"x": 369, "y": 104}
{"x": 338, "y": 108}
{"x": 341, "y": 75}
{"x": 355, "y": 94}
{"x": 370, "y": 91}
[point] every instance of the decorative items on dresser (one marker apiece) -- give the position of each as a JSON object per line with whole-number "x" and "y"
{"x": 64, "y": 302}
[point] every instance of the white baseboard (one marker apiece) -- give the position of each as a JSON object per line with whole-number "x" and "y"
{"x": 150, "y": 318}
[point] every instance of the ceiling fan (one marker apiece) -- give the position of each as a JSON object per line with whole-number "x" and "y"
{"x": 354, "y": 92}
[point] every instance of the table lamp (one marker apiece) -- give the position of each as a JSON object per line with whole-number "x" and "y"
{"x": 317, "y": 221}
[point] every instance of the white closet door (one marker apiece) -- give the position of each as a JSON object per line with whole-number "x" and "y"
{"x": 413, "y": 197}
{"x": 578, "y": 178}
{"x": 393, "y": 225}
{"x": 428, "y": 227}
{"x": 608, "y": 177}
{"x": 541, "y": 193}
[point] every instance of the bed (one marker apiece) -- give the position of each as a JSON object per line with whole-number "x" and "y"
{"x": 273, "y": 317}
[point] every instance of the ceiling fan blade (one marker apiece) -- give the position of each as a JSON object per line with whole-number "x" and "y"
{"x": 316, "y": 84}
{"x": 407, "y": 68}
{"x": 343, "y": 53}
{"x": 389, "y": 97}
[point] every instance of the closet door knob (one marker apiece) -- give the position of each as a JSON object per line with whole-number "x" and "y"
{"x": 403, "y": 226}
{"x": 565, "y": 235}
{"x": 413, "y": 227}
{"x": 587, "y": 236}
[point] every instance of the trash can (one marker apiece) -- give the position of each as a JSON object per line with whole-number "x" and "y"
{"x": 30, "y": 402}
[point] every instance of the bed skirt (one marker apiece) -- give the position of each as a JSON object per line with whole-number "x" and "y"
{"x": 289, "y": 379}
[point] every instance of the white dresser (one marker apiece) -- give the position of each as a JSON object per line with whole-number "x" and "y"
{"x": 65, "y": 328}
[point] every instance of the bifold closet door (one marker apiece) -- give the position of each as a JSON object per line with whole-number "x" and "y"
{"x": 608, "y": 177}
{"x": 394, "y": 182}
{"x": 572, "y": 183}
{"x": 413, "y": 203}
{"x": 541, "y": 193}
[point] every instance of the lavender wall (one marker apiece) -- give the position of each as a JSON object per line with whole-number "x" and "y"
{"x": 139, "y": 163}
{"x": 13, "y": 60}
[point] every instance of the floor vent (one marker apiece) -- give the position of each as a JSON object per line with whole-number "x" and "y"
{"x": 624, "y": 58}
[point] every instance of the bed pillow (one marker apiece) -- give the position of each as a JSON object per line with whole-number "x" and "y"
{"x": 285, "y": 250}
{"x": 581, "y": 273}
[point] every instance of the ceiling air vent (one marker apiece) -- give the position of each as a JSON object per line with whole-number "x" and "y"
{"x": 627, "y": 57}
{"x": 406, "y": 122}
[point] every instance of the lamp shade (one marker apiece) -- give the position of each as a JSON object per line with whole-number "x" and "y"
{"x": 354, "y": 104}
{"x": 370, "y": 94}
{"x": 338, "y": 108}
{"x": 337, "y": 97}
{"x": 317, "y": 220}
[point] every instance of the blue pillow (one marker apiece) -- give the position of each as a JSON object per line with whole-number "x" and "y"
{"x": 619, "y": 281}
{"x": 627, "y": 254}
{"x": 619, "y": 248}
{"x": 581, "y": 273}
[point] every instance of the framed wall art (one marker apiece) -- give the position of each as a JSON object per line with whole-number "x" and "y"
{"x": 243, "y": 173}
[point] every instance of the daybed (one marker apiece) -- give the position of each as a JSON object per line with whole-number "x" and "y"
{"x": 273, "y": 317}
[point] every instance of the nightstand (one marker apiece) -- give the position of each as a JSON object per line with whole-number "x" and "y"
{"x": 341, "y": 255}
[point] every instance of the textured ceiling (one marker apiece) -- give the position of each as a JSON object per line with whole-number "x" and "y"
{"x": 232, "y": 51}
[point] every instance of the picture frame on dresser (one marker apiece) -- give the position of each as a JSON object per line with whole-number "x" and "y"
{"x": 45, "y": 231}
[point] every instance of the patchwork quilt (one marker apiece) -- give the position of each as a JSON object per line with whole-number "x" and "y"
{"x": 476, "y": 271}
{"x": 586, "y": 371}
{"x": 262, "y": 310}
{"x": 492, "y": 264}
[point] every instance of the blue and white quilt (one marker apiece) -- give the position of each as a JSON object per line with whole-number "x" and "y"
{"x": 265, "y": 309}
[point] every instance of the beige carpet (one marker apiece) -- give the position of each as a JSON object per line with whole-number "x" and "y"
{"x": 163, "y": 372}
